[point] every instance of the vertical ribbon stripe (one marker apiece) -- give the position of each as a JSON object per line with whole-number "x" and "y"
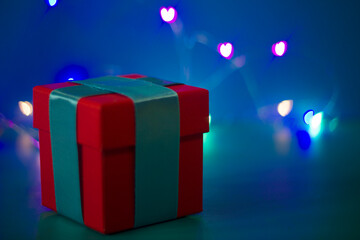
{"x": 62, "y": 113}
{"x": 157, "y": 135}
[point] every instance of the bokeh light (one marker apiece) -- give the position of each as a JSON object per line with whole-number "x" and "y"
{"x": 26, "y": 108}
{"x": 52, "y": 3}
{"x": 282, "y": 140}
{"x": 209, "y": 119}
{"x": 24, "y": 146}
{"x": 168, "y": 15}
{"x": 279, "y": 48}
{"x": 35, "y": 143}
{"x": 304, "y": 139}
{"x": 239, "y": 62}
{"x": 308, "y": 115}
{"x": 316, "y": 124}
{"x": 71, "y": 72}
{"x": 285, "y": 107}
{"x": 226, "y": 50}
{"x": 1, "y": 130}
{"x": 333, "y": 124}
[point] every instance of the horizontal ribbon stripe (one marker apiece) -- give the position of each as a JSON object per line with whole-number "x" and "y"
{"x": 157, "y": 145}
{"x": 159, "y": 81}
{"x": 62, "y": 113}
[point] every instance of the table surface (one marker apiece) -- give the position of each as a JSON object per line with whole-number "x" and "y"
{"x": 258, "y": 184}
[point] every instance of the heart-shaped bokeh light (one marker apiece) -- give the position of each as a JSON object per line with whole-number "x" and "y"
{"x": 168, "y": 15}
{"x": 226, "y": 50}
{"x": 279, "y": 48}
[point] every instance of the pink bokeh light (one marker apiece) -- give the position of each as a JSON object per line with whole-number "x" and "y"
{"x": 226, "y": 50}
{"x": 168, "y": 15}
{"x": 279, "y": 48}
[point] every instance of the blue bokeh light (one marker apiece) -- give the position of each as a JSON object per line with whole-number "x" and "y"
{"x": 52, "y": 3}
{"x": 308, "y": 115}
{"x": 72, "y": 73}
{"x": 316, "y": 125}
{"x": 304, "y": 139}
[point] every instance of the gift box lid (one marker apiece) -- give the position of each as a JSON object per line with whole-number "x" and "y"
{"x": 108, "y": 121}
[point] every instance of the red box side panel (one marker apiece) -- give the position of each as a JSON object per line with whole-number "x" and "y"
{"x": 92, "y": 185}
{"x": 119, "y": 189}
{"x": 190, "y": 175}
{"x": 46, "y": 171}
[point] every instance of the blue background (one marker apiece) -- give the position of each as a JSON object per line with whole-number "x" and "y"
{"x": 119, "y": 37}
{"x": 264, "y": 177}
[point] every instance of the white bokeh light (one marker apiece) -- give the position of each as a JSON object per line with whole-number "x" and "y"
{"x": 285, "y": 107}
{"x": 26, "y": 108}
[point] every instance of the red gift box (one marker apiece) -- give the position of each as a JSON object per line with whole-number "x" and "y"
{"x": 106, "y": 145}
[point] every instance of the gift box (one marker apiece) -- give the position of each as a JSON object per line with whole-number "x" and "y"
{"x": 121, "y": 152}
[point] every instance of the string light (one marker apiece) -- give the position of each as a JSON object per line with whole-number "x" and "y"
{"x": 285, "y": 107}
{"x": 26, "y": 108}
{"x": 226, "y": 50}
{"x": 279, "y": 48}
{"x": 168, "y": 15}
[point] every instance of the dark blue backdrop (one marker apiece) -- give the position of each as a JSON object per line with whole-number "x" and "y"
{"x": 262, "y": 179}
{"x": 119, "y": 37}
